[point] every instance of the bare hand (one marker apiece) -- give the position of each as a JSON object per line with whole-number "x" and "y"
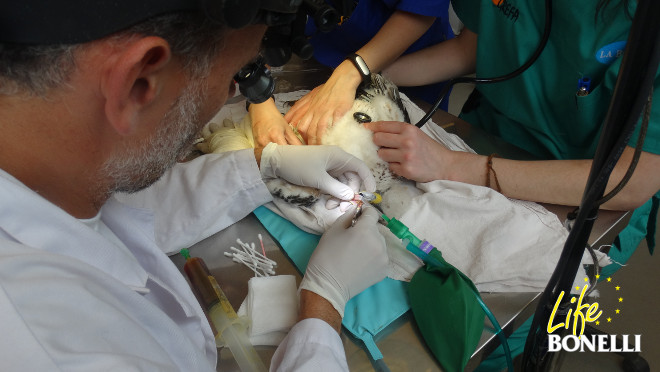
{"x": 410, "y": 152}
{"x": 268, "y": 125}
{"x": 325, "y": 104}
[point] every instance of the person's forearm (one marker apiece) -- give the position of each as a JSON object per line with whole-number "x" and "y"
{"x": 386, "y": 46}
{"x": 400, "y": 31}
{"x": 266, "y": 108}
{"x": 314, "y": 306}
{"x": 440, "y": 62}
{"x": 553, "y": 181}
{"x": 557, "y": 181}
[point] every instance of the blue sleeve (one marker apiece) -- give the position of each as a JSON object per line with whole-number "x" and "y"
{"x": 439, "y": 31}
{"x": 434, "y": 8}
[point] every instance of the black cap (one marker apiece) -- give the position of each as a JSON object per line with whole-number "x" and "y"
{"x": 77, "y": 21}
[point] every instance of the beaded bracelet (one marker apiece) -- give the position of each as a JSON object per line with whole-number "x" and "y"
{"x": 489, "y": 169}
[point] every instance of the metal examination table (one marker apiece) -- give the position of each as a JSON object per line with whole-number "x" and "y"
{"x": 401, "y": 342}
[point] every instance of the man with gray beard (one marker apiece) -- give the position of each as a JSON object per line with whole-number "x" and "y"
{"x": 99, "y": 103}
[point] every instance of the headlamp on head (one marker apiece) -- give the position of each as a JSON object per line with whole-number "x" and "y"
{"x": 255, "y": 81}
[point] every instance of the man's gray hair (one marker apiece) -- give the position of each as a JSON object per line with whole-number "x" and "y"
{"x": 35, "y": 69}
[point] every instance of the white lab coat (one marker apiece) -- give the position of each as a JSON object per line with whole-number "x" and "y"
{"x": 72, "y": 300}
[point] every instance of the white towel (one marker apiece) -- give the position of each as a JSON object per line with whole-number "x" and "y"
{"x": 271, "y": 308}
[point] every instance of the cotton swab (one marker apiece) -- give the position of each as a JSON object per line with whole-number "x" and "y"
{"x": 255, "y": 261}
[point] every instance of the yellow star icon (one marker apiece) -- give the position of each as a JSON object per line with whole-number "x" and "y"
{"x": 586, "y": 279}
{"x": 598, "y": 276}
{"x": 598, "y": 322}
{"x": 577, "y": 288}
{"x": 617, "y": 311}
{"x": 609, "y": 279}
{"x": 609, "y": 320}
{"x": 617, "y": 287}
{"x": 620, "y": 299}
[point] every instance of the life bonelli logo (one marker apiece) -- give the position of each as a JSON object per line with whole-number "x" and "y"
{"x": 578, "y": 317}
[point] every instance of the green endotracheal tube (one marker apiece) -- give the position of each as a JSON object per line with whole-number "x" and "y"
{"x": 418, "y": 247}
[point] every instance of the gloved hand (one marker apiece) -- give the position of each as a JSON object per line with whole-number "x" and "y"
{"x": 348, "y": 259}
{"x": 353, "y": 181}
{"x": 315, "y": 166}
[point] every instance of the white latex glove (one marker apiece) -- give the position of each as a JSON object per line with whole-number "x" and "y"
{"x": 352, "y": 180}
{"x": 315, "y": 166}
{"x": 348, "y": 259}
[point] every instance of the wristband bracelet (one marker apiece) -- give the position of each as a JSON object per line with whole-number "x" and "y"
{"x": 361, "y": 66}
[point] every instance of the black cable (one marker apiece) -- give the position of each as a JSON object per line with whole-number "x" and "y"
{"x": 569, "y": 271}
{"x": 594, "y": 278}
{"x": 627, "y": 102}
{"x": 635, "y": 79}
{"x": 476, "y": 80}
